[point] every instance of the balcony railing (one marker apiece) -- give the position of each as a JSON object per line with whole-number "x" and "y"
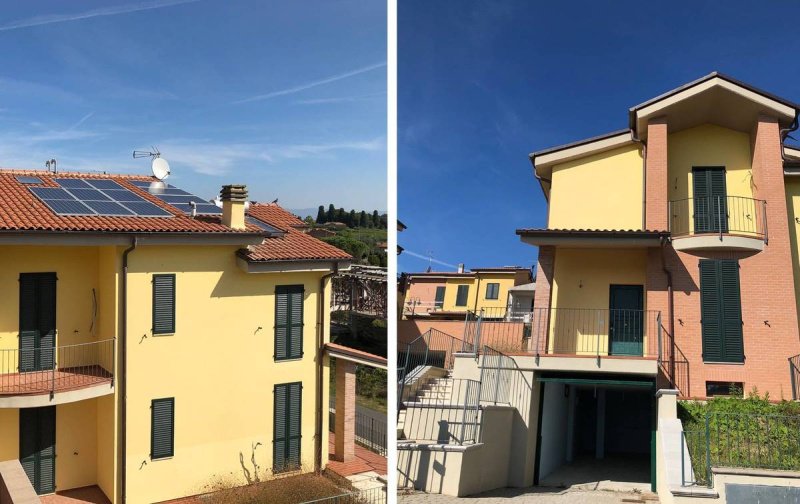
{"x": 416, "y": 307}
{"x": 569, "y": 331}
{"x": 56, "y": 369}
{"x": 718, "y": 215}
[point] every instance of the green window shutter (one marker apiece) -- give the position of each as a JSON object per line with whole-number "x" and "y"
{"x": 37, "y": 320}
{"x": 162, "y": 430}
{"x": 287, "y": 433}
{"x": 28, "y": 323}
{"x": 47, "y": 450}
{"x": 439, "y": 299}
{"x": 47, "y": 319}
{"x": 461, "y": 295}
{"x": 163, "y": 304}
{"x": 721, "y": 311}
{"x": 710, "y": 200}
{"x": 289, "y": 321}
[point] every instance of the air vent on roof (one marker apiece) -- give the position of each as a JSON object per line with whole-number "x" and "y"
{"x": 28, "y": 180}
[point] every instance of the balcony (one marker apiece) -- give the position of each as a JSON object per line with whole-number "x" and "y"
{"x": 600, "y": 339}
{"x": 722, "y": 223}
{"x": 54, "y": 375}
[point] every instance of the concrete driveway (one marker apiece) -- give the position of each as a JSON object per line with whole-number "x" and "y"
{"x": 534, "y": 495}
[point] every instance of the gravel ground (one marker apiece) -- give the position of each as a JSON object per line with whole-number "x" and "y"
{"x": 536, "y": 495}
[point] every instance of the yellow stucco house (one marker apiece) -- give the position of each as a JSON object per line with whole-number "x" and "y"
{"x": 153, "y": 345}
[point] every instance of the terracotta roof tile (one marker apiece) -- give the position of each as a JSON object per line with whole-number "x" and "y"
{"x": 292, "y": 246}
{"x": 20, "y": 210}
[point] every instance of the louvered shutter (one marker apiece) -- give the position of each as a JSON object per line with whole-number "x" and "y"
{"x": 289, "y": 322}
{"x": 47, "y": 319}
{"x": 710, "y": 200}
{"x": 47, "y": 450}
{"x": 287, "y": 433}
{"x": 439, "y": 300}
{"x": 163, "y": 304}
{"x": 28, "y": 323}
{"x": 162, "y": 433}
{"x": 710, "y": 311}
{"x": 28, "y": 451}
{"x": 461, "y": 295}
{"x": 279, "y": 441}
{"x": 732, "y": 337}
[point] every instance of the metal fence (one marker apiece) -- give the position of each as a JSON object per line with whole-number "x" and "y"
{"x": 718, "y": 215}
{"x": 49, "y": 369}
{"x": 371, "y": 496}
{"x": 794, "y": 375}
{"x": 370, "y": 431}
{"x": 445, "y": 411}
{"x": 695, "y": 464}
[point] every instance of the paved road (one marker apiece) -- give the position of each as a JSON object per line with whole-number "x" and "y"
{"x": 536, "y": 495}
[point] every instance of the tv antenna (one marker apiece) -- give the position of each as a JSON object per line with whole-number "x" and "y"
{"x": 158, "y": 165}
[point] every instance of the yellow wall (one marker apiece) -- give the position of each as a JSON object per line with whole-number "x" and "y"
{"x": 218, "y": 366}
{"x": 709, "y": 145}
{"x": 506, "y": 282}
{"x": 477, "y": 291}
{"x": 601, "y": 191}
{"x": 9, "y": 434}
{"x": 582, "y": 279}
{"x": 76, "y": 444}
{"x": 793, "y": 208}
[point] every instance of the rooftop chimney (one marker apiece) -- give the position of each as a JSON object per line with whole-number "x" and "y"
{"x": 233, "y": 199}
{"x": 461, "y": 267}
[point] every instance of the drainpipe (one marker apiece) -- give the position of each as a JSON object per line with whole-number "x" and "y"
{"x": 635, "y": 138}
{"x": 671, "y": 310}
{"x": 123, "y": 378}
{"x": 320, "y": 365}
{"x": 541, "y": 180}
{"x": 785, "y": 133}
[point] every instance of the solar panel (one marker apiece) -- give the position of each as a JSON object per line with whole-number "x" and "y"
{"x": 104, "y": 184}
{"x": 169, "y": 198}
{"x": 147, "y": 209}
{"x": 209, "y": 209}
{"x": 108, "y": 208}
{"x": 68, "y": 207}
{"x": 51, "y": 193}
{"x": 89, "y": 195}
{"x": 72, "y": 183}
{"x": 122, "y": 195}
{"x": 262, "y": 225}
{"x": 28, "y": 180}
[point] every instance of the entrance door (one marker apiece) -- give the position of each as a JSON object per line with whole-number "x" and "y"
{"x": 626, "y": 324}
{"x": 37, "y": 321}
{"x": 37, "y": 447}
{"x": 710, "y": 200}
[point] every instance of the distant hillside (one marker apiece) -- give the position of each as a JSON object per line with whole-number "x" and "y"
{"x": 312, "y": 212}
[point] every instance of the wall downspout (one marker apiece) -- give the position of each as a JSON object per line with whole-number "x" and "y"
{"x": 541, "y": 180}
{"x": 123, "y": 378}
{"x": 671, "y": 312}
{"x": 785, "y": 132}
{"x": 320, "y": 366}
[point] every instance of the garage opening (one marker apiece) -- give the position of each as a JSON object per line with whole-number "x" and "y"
{"x": 596, "y": 432}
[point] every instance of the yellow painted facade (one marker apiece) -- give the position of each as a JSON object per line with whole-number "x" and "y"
{"x": 793, "y": 209}
{"x": 476, "y": 298}
{"x": 218, "y": 365}
{"x": 601, "y": 191}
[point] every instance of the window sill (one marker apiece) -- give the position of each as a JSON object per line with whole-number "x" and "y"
{"x": 159, "y": 335}
{"x": 169, "y": 457}
{"x": 724, "y": 363}
{"x": 293, "y": 359}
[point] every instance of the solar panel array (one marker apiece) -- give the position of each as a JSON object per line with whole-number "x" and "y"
{"x": 23, "y": 179}
{"x": 93, "y": 197}
{"x": 178, "y": 198}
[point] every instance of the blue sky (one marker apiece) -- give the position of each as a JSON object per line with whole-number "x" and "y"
{"x": 482, "y": 84}
{"x": 287, "y": 97}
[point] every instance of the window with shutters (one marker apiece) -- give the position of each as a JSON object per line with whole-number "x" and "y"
{"x": 492, "y": 291}
{"x": 162, "y": 429}
{"x": 461, "y": 295}
{"x": 721, "y": 311}
{"x": 287, "y": 427}
{"x": 710, "y": 200}
{"x": 289, "y": 322}
{"x": 439, "y": 299}
{"x": 163, "y": 304}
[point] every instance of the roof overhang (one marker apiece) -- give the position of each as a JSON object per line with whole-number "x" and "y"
{"x": 355, "y": 356}
{"x": 293, "y": 265}
{"x": 716, "y": 99}
{"x": 591, "y": 238}
{"x": 791, "y": 161}
{"x": 94, "y": 238}
{"x": 544, "y": 160}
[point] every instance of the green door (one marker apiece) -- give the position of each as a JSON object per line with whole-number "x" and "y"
{"x": 37, "y": 321}
{"x": 37, "y": 447}
{"x": 626, "y": 324}
{"x": 710, "y": 200}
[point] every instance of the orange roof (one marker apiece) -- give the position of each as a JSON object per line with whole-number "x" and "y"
{"x": 294, "y": 245}
{"x": 20, "y": 210}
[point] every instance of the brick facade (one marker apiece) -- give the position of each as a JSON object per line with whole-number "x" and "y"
{"x": 345, "y": 428}
{"x": 656, "y": 177}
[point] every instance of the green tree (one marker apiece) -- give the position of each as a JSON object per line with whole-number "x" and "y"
{"x": 321, "y": 215}
{"x": 355, "y": 248}
{"x": 376, "y": 219}
{"x": 351, "y": 219}
{"x": 331, "y": 215}
{"x": 364, "y": 219}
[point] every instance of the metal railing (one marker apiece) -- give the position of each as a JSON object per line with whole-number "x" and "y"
{"x": 570, "y": 331}
{"x": 695, "y": 463}
{"x": 794, "y": 375}
{"x": 370, "y": 496}
{"x": 718, "y": 215}
{"x": 51, "y": 369}
{"x": 445, "y": 411}
{"x": 502, "y": 381}
{"x": 416, "y": 307}
{"x": 674, "y": 364}
{"x": 432, "y": 349}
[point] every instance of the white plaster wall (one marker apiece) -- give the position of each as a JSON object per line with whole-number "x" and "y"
{"x": 554, "y": 429}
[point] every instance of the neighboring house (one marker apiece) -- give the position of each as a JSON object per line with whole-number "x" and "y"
{"x": 153, "y": 354}
{"x": 668, "y": 267}
{"x": 450, "y": 295}
{"x": 321, "y": 233}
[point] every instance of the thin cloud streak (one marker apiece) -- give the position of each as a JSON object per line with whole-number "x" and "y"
{"x": 338, "y": 99}
{"x": 435, "y": 261}
{"x": 81, "y": 121}
{"x": 107, "y": 11}
{"x": 313, "y": 84}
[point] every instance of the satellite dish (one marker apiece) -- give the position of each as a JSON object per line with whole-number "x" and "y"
{"x": 160, "y": 168}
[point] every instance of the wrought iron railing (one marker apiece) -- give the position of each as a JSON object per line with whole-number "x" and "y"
{"x": 570, "y": 331}
{"x": 502, "y": 381}
{"x": 432, "y": 349}
{"x": 695, "y": 463}
{"x": 414, "y": 307}
{"x": 673, "y": 364}
{"x": 370, "y": 431}
{"x": 445, "y": 411}
{"x": 51, "y": 369}
{"x": 369, "y": 496}
{"x": 718, "y": 215}
{"x": 794, "y": 375}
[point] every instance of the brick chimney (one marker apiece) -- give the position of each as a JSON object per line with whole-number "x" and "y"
{"x": 233, "y": 199}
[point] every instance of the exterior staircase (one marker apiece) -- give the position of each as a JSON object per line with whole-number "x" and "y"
{"x": 437, "y": 391}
